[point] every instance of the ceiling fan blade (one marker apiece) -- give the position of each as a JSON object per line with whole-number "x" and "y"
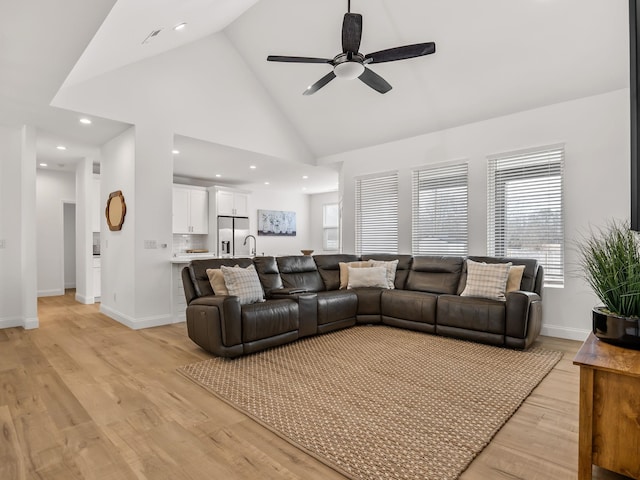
{"x": 279, "y": 58}
{"x": 319, "y": 84}
{"x": 375, "y": 81}
{"x": 351, "y": 32}
{"x": 401, "y": 53}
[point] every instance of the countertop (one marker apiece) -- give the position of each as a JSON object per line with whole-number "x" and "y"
{"x": 187, "y": 257}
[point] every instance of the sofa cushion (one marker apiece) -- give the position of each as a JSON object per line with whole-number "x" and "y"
{"x": 243, "y": 283}
{"x": 515, "y": 278}
{"x": 472, "y": 313}
{"x": 216, "y": 278}
{"x": 300, "y": 271}
{"x": 402, "y": 269}
{"x": 344, "y": 271}
{"x": 435, "y": 274}
{"x": 531, "y": 279}
{"x": 391, "y": 267}
{"x": 486, "y": 280}
{"x": 267, "y": 319}
{"x": 268, "y": 273}
{"x": 408, "y": 305}
{"x": 367, "y": 277}
{"x": 329, "y": 268}
{"x": 198, "y": 272}
{"x": 336, "y": 305}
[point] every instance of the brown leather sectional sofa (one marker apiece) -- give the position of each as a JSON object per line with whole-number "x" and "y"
{"x": 303, "y": 298}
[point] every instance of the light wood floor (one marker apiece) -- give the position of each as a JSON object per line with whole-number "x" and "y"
{"x": 84, "y": 397}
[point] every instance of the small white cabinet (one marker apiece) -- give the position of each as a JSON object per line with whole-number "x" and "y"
{"x": 97, "y": 285}
{"x": 179, "y": 303}
{"x": 231, "y": 203}
{"x": 190, "y": 210}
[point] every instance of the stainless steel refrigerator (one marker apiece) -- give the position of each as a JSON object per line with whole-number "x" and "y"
{"x": 232, "y": 232}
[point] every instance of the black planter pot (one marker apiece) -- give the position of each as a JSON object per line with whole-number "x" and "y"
{"x": 622, "y": 331}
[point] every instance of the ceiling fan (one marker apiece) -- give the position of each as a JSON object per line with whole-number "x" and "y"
{"x": 351, "y": 64}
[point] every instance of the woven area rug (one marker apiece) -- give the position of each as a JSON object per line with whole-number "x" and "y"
{"x": 375, "y": 402}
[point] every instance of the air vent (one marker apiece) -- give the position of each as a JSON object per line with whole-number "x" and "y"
{"x": 151, "y": 35}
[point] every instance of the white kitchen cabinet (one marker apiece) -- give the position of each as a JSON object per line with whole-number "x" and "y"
{"x": 235, "y": 204}
{"x": 190, "y": 210}
{"x": 178, "y": 301}
{"x": 97, "y": 285}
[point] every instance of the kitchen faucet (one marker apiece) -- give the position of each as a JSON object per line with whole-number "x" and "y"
{"x": 252, "y": 252}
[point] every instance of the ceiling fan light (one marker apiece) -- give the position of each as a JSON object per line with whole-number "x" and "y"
{"x": 348, "y": 70}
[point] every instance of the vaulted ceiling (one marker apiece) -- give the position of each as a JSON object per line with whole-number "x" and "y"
{"x": 211, "y": 81}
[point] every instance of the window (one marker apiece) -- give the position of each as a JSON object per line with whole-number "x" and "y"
{"x": 377, "y": 214}
{"x": 440, "y": 210}
{"x": 525, "y": 212}
{"x": 330, "y": 225}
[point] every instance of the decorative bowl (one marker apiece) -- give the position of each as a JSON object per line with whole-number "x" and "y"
{"x": 306, "y": 252}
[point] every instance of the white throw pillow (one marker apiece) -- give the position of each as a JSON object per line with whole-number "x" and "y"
{"x": 391, "y": 267}
{"x": 344, "y": 271}
{"x": 367, "y": 277}
{"x": 243, "y": 283}
{"x": 487, "y": 280}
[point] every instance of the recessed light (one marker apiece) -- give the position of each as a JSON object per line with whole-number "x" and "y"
{"x": 266, "y": 183}
{"x": 304, "y": 177}
{"x": 43, "y": 164}
{"x": 180, "y": 26}
{"x": 61, "y": 147}
{"x": 304, "y": 188}
{"x": 85, "y": 121}
{"x": 252, "y": 167}
{"x": 218, "y": 175}
{"x": 175, "y": 152}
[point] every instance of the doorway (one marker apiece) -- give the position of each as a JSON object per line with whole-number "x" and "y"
{"x": 69, "y": 255}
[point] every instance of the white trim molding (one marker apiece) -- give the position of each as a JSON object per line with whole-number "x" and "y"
{"x": 569, "y": 333}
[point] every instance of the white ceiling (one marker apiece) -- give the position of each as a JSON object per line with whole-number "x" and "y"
{"x": 202, "y": 160}
{"x": 494, "y": 57}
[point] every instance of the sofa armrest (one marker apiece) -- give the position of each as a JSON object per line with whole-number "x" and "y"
{"x": 523, "y": 318}
{"x": 228, "y": 311}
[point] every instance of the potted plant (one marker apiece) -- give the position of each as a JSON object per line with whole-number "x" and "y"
{"x": 610, "y": 260}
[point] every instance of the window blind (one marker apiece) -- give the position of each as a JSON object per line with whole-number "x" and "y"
{"x": 440, "y": 210}
{"x": 525, "y": 208}
{"x": 377, "y": 214}
{"x": 330, "y": 225}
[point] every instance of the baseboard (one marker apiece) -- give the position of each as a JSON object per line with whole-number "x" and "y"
{"x": 51, "y": 293}
{"x": 85, "y": 300}
{"x": 136, "y": 324}
{"x": 12, "y": 322}
{"x": 31, "y": 323}
{"x": 70, "y": 285}
{"x": 565, "y": 332}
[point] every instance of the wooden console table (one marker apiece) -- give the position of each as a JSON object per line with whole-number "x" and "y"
{"x": 609, "y": 408}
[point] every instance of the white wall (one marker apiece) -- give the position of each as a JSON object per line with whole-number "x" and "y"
{"x": 10, "y": 272}
{"x": 18, "y": 303}
{"x": 136, "y": 281}
{"x": 117, "y": 252}
{"x": 280, "y": 200}
{"x": 595, "y": 131}
{"x": 52, "y": 190}
{"x": 316, "y": 218}
{"x": 220, "y": 101}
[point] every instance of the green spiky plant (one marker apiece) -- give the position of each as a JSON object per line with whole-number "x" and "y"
{"x": 610, "y": 261}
